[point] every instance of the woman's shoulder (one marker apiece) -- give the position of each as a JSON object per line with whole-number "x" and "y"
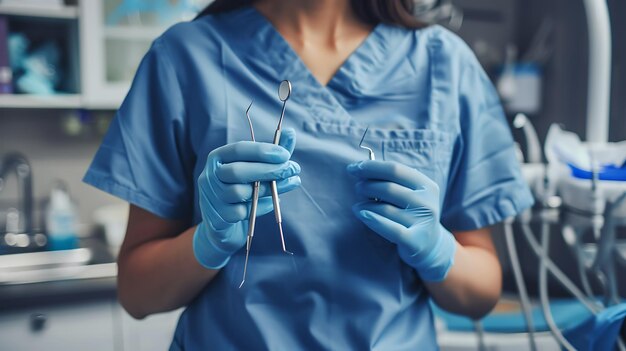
{"x": 191, "y": 34}
{"x": 444, "y": 45}
{"x": 208, "y": 33}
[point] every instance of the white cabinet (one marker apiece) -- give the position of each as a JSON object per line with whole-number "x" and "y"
{"x": 154, "y": 333}
{"x": 76, "y": 327}
{"x": 100, "y": 325}
{"x": 105, "y": 72}
{"x": 114, "y": 36}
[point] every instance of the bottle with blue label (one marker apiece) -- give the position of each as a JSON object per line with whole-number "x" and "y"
{"x": 61, "y": 221}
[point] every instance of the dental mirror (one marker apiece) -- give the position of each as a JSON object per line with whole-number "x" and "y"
{"x": 284, "y": 90}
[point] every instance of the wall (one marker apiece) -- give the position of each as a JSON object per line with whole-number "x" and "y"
{"x": 566, "y": 73}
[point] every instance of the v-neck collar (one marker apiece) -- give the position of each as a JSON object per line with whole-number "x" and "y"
{"x": 271, "y": 47}
{"x": 282, "y": 43}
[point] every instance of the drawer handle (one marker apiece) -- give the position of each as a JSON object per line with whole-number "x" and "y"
{"x": 38, "y": 322}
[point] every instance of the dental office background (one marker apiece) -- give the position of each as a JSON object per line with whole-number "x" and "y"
{"x": 65, "y": 67}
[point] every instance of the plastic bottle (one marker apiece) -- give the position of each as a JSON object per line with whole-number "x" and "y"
{"x": 61, "y": 221}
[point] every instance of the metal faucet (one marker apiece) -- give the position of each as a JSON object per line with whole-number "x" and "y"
{"x": 16, "y": 162}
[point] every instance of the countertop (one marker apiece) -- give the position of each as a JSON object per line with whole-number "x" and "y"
{"x": 61, "y": 284}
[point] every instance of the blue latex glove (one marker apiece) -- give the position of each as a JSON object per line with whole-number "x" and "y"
{"x": 225, "y": 192}
{"x": 406, "y": 212}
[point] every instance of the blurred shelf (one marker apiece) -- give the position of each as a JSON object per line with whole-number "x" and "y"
{"x": 143, "y": 33}
{"x": 69, "y": 101}
{"x": 66, "y": 12}
{"x": 103, "y": 104}
{"x": 66, "y": 101}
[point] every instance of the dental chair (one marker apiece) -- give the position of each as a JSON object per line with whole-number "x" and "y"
{"x": 584, "y": 322}
{"x": 587, "y": 203}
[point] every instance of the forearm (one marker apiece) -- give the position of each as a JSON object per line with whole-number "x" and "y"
{"x": 473, "y": 284}
{"x": 160, "y": 275}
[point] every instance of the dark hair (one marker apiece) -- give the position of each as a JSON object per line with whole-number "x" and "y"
{"x": 398, "y": 12}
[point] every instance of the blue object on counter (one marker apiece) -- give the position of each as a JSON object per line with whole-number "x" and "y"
{"x": 31, "y": 83}
{"x": 18, "y": 47}
{"x": 609, "y": 172}
{"x": 61, "y": 221}
{"x": 41, "y": 70}
{"x": 62, "y": 242}
{"x": 37, "y": 71}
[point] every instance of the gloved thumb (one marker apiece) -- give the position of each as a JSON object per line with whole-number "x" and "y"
{"x": 288, "y": 139}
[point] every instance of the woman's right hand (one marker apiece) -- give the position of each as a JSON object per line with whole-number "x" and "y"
{"x": 225, "y": 191}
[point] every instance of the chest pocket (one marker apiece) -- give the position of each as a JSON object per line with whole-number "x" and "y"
{"x": 425, "y": 150}
{"x": 428, "y": 151}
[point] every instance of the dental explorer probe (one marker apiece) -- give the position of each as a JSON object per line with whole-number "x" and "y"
{"x": 284, "y": 91}
{"x": 371, "y": 152}
{"x": 253, "y": 206}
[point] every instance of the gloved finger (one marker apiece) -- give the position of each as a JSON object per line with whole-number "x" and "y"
{"x": 229, "y": 214}
{"x": 265, "y": 206}
{"x": 248, "y": 172}
{"x": 211, "y": 210}
{"x": 391, "y": 171}
{"x": 384, "y": 226}
{"x": 288, "y": 139}
{"x": 232, "y": 213}
{"x": 393, "y": 193}
{"x": 235, "y": 193}
{"x": 248, "y": 151}
{"x": 220, "y": 213}
{"x": 404, "y": 217}
{"x": 283, "y": 186}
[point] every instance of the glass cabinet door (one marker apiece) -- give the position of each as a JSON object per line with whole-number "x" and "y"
{"x": 115, "y": 35}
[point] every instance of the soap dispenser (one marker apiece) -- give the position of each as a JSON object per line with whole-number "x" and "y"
{"x": 61, "y": 221}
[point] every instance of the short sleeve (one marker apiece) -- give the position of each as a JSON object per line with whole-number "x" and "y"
{"x": 485, "y": 183}
{"x": 144, "y": 157}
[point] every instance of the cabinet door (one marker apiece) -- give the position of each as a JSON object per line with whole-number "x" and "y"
{"x": 114, "y": 36}
{"x": 154, "y": 333}
{"x": 76, "y": 327}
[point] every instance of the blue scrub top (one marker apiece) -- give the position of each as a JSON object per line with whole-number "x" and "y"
{"x": 428, "y": 104}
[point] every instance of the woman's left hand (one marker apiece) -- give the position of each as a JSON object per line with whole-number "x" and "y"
{"x": 403, "y": 207}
